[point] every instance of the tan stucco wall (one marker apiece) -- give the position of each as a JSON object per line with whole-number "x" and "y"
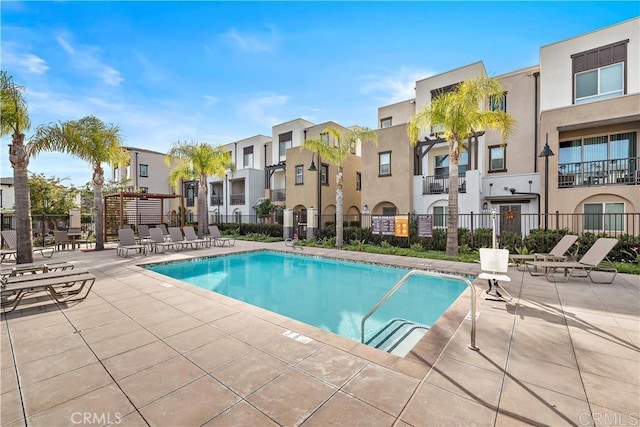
{"x": 400, "y": 112}
{"x": 396, "y": 188}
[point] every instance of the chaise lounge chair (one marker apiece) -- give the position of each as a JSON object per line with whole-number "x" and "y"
{"x": 34, "y": 267}
{"x": 218, "y": 240}
{"x": 157, "y": 240}
{"x": 191, "y": 237}
{"x": 592, "y": 260}
{"x": 128, "y": 242}
{"x": 494, "y": 264}
{"x": 9, "y": 238}
{"x": 61, "y": 286}
{"x": 177, "y": 238}
{"x": 556, "y": 254}
{"x": 292, "y": 243}
{"x": 143, "y": 233}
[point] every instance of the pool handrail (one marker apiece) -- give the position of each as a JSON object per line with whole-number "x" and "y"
{"x": 406, "y": 277}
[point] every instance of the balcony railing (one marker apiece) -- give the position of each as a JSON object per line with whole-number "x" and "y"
{"x": 216, "y": 200}
{"x": 279, "y": 195}
{"x": 600, "y": 172}
{"x": 237, "y": 199}
{"x": 190, "y": 202}
{"x": 440, "y": 184}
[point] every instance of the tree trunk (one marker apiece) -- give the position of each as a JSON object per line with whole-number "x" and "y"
{"x": 339, "y": 209}
{"x": 24, "y": 234}
{"x": 98, "y": 209}
{"x": 452, "y": 219}
{"x": 203, "y": 215}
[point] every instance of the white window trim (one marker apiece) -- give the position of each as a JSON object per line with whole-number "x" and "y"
{"x": 599, "y": 96}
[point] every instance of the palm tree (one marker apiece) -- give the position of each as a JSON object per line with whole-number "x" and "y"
{"x": 197, "y": 161}
{"x": 89, "y": 139}
{"x": 14, "y": 120}
{"x": 335, "y": 151}
{"x": 461, "y": 114}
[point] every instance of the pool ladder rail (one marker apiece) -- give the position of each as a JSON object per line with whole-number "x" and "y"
{"x": 402, "y": 281}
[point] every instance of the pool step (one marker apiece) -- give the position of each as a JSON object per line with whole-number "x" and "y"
{"x": 398, "y": 336}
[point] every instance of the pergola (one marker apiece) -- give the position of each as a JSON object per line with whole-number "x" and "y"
{"x": 114, "y": 209}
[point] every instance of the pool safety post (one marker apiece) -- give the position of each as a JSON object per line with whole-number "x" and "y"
{"x": 493, "y": 228}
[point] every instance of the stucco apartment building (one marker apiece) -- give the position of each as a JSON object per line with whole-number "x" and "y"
{"x": 593, "y": 136}
{"x": 590, "y": 110}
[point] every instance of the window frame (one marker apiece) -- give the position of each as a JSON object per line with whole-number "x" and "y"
{"x": 504, "y": 159}
{"x": 324, "y": 174}
{"x": 599, "y": 95}
{"x": 358, "y": 181}
{"x": 247, "y": 154}
{"x": 386, "y": 120}
{"x": 285, "y": 140}
{"x": 146, "y": 170}
{"x": 601, "y": 217}
{"x": 596, "y": 59}
{"x": 301, "y": 175}
{"x": 498, "y": 105}
{"x": 440, "y": 217}
{"x": 380, "y": 164}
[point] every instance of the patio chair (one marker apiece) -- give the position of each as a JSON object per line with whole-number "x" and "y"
{"x": 595, "y": 259}
{"x": 61, "y": 239}
{"x": 87, "y": 239}
{"x": 177, "y": 238}
{"x": 157, "y": 240}
{"x": 61, "y": 286}
{"x": 494, "y": 264}
{"x": 128, "y": 242}
{"x": 143, "y": 233}
{"x": 218, "y": 240}
{"x": 191, "y": 237}
{"x": 164, "y": 230}
{"x": 557, "y": 253}
{"x": 10, "y": 239}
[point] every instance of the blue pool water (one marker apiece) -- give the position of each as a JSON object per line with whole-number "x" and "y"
{"x": 329, "y": 294}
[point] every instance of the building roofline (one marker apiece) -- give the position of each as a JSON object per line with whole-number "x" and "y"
{"x": 532, "y": 68}
{"x": 597, "y": 30}
{"x": 454, "y": 69}
{"x": 146, "y": 150}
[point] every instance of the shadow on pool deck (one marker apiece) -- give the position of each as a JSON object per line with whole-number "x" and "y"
{"x": 156, "y": 351}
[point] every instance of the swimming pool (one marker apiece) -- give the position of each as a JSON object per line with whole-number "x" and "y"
{"x": 330, "y": 294}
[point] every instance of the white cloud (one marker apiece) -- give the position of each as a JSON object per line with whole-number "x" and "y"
{"x": 13, "y": 57}
{"x": 210, "y": 100}
{"x": 395, "y": 87}
{"x": 265, "y": 41}
{"x": 87, "y": 58}
{"x": 262, "y": 109}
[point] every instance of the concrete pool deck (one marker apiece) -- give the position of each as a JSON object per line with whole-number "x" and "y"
{"x": 144, "y": 349}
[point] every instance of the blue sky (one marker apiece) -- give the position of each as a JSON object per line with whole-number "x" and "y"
{"x": 218, "y": 72}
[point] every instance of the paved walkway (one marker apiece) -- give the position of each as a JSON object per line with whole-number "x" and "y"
{"x": 143, "y": 349}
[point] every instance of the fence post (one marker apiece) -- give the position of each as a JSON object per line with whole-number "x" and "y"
{"x": 557, "y": 220}
{"x": 472, "y": 239}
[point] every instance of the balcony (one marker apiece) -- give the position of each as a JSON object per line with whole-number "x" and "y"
{"x": 190, "y": 202}
{"x": 600, "y": 172}
{"x": 440, "y": 184}
{"x": 216, "y": 200}
{"x": 279, "y": 195}
{"x": 237, "y": 199}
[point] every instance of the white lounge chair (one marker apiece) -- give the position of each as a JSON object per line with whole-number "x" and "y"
{"x": 177, "y": 238}
{"x": 218, "y": 240}
{"x": 10, "y": 239}
{"x": 557, "y": 253}
{"x": 157, "y": 240}
{"x": 191, "y": 237}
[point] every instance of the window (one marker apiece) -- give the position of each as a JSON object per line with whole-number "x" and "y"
{"x": 237, "y": 217}
{"x": 384, "y": 162}
{"x": 604, "y": 216}
{"x": 144, "y": 189}
{"x": 440, "y": 216}
{"x": 498, "y": 103}
{"x": 285, "y": 141}
{"x": 358, "y": 181}
{"x": 389, "y": 211}
{"x": 247, "y": 157}
{"x": 299, "y": 171}
{"x": 442, "y": 164}
{"x": 385, "y": 123}
{"x": 600, "y": 73}
{"x": 324, "y": 174}
{"x": 144, "y": 170}
{"x": 619, "y": 148}
{"x": 324, "y": 137}
{"x": 497, "y": 159}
